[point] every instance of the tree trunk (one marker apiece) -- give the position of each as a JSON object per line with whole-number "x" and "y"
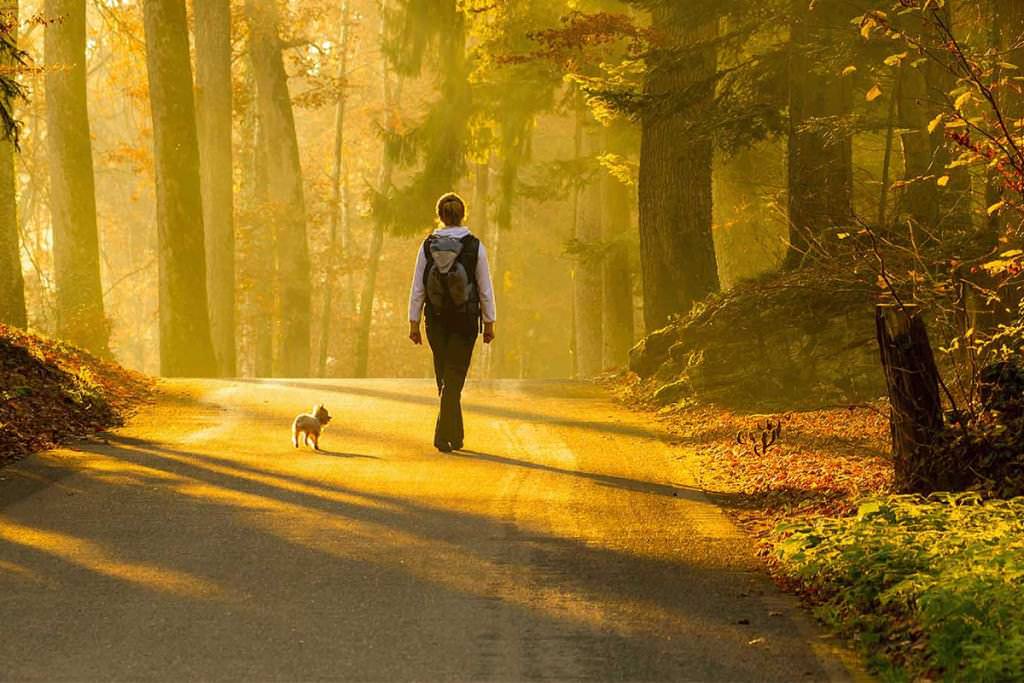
{"x": 618, "y": 276}
{"x": 339, "y": 204}
{"x": 913, "y": 382}
{"x": 80, "y": 317}
{"x": 516, "y": 131}
{"x": 481, "y": 222}
{"x": 284, "y": 174}
{"x": 366, "y": 302}
{"x": 186, "y": 349}
{"x": 264, "y": 261}
{"x": 926, "y": 154}
{"x": 1007, "y": 35}
{"x": 587, "y": 280}
{"x": 213, "y": 103}
{"x": 820, "y": 152}
{"x": 392, "y": 96}
{"x": 12, "y": 284}
{"x": 676, "y": 244}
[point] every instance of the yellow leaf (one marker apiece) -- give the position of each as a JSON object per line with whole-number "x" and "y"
{"x": 996, "y": 207}
{"x": 867, "y": 27}
{"x": 943, "y": 181}
{"x": 935, "y": 123}
{"x": 962, "y": 101}
{"x": 849, "y": 70}
{"x": 895, "y": 60}
{"x": 873, "y": 94}
{"x": 1013, "y": 253}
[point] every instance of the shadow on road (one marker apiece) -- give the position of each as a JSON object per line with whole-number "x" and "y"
{"x": 337, "y": 566}
{"x": 603, "y": 479}
{"x": 472, "y": 407}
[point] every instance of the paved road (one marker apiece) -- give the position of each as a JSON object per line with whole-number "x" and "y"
{"x": 568, "y": 543}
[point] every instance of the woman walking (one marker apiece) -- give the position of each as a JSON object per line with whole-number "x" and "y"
{"x": 451, "y": 288}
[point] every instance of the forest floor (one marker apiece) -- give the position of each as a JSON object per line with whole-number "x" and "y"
{"x": 823, "y": 463}
{"x": 53, "y": 393}
{"x": 926, "y": 589}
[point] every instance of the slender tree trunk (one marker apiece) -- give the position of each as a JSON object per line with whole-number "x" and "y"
{"x": 392, "y": 96}
{"x": 676, "y": 244}
{"x": 890, "y": 138}
{"x": 80, "y": 316}
{"x": 1007, "y": 35}
{"x": 339, "y": 203}
{"x": 213, "y": 102}
{"x": 618, "y": 276}
{"x": 263, "y": 255}
{"x": 12, "y": 283}
{"x": 820, "y": 158}
{"x": 926, "y": 153}
{"x": 284, "y": 173}
{"x": 516, "y": 131}
{"x": 481, "y": 221}
{"x": 186, "y": 349}
{"x": 366, "y": 301}
{"x": 588, "y": 284}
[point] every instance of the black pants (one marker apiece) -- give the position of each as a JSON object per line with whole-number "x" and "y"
{"x": 453, "y": 351}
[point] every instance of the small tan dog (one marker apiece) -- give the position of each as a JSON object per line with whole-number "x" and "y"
{"x": 310, "y": 425}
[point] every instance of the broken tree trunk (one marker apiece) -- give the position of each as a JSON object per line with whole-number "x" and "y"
{"x": 913, "y": 382}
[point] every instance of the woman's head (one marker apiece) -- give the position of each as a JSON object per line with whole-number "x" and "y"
{"x": 451, "y": 210}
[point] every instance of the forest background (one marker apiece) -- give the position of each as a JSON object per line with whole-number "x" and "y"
{"x": 623, "y": 161}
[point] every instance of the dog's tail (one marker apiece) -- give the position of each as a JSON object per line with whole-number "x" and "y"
{"x": 295, "y": 433}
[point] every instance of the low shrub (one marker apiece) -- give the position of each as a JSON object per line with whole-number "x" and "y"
{"x": 929, "y": 586}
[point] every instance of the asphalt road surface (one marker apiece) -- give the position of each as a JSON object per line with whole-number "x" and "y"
{"x": 567, "y": 543}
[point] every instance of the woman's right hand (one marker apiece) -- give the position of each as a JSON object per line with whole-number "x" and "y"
{"x": 414, "y": 334}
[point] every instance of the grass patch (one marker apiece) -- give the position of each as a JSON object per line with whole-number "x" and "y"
{"x": 930, "y": 587}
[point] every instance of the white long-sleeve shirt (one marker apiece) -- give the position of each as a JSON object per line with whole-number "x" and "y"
{"x": 418, "y": 296}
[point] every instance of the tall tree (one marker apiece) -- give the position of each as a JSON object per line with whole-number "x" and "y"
{"x": 588, "y": 286}
{"x": 1007, "y": 39}
{"x": 213, "y": 105}
{"x": 392, "y": 95}
{"x": 80, "y": 316}
{"x": 12, "y": 284}
{"x": 617, "y": 205}
{"x": 438, "y": 145}
{"x": 285, "y": 192}
{"x": 920, "y": 90}
{"x": 261, "y": 257}
{"x": 820, "y": 144}
{"x": 185, "y": 346}
{"x": 676, "y": 243}
{"x": 339, "y": 203}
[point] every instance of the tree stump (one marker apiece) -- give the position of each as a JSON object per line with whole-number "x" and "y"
{"x": 912, "y": 379}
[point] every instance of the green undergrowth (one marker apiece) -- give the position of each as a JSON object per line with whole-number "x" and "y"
{"x": 930, "y": 588}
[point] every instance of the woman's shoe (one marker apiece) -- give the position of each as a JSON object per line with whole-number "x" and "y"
{"x": 444, "y": 448}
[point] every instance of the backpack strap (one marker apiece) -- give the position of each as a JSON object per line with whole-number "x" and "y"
{"x": 430, "y": 260}
{"x": 470, "y": 256}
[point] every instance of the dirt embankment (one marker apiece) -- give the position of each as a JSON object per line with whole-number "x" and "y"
{"x": 52, "y": 392}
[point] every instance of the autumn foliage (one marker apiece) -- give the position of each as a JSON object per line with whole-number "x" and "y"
{"x": 54, "y": 392}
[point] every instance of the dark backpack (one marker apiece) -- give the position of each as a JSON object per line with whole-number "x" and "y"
{"x": 450, "y": 277}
